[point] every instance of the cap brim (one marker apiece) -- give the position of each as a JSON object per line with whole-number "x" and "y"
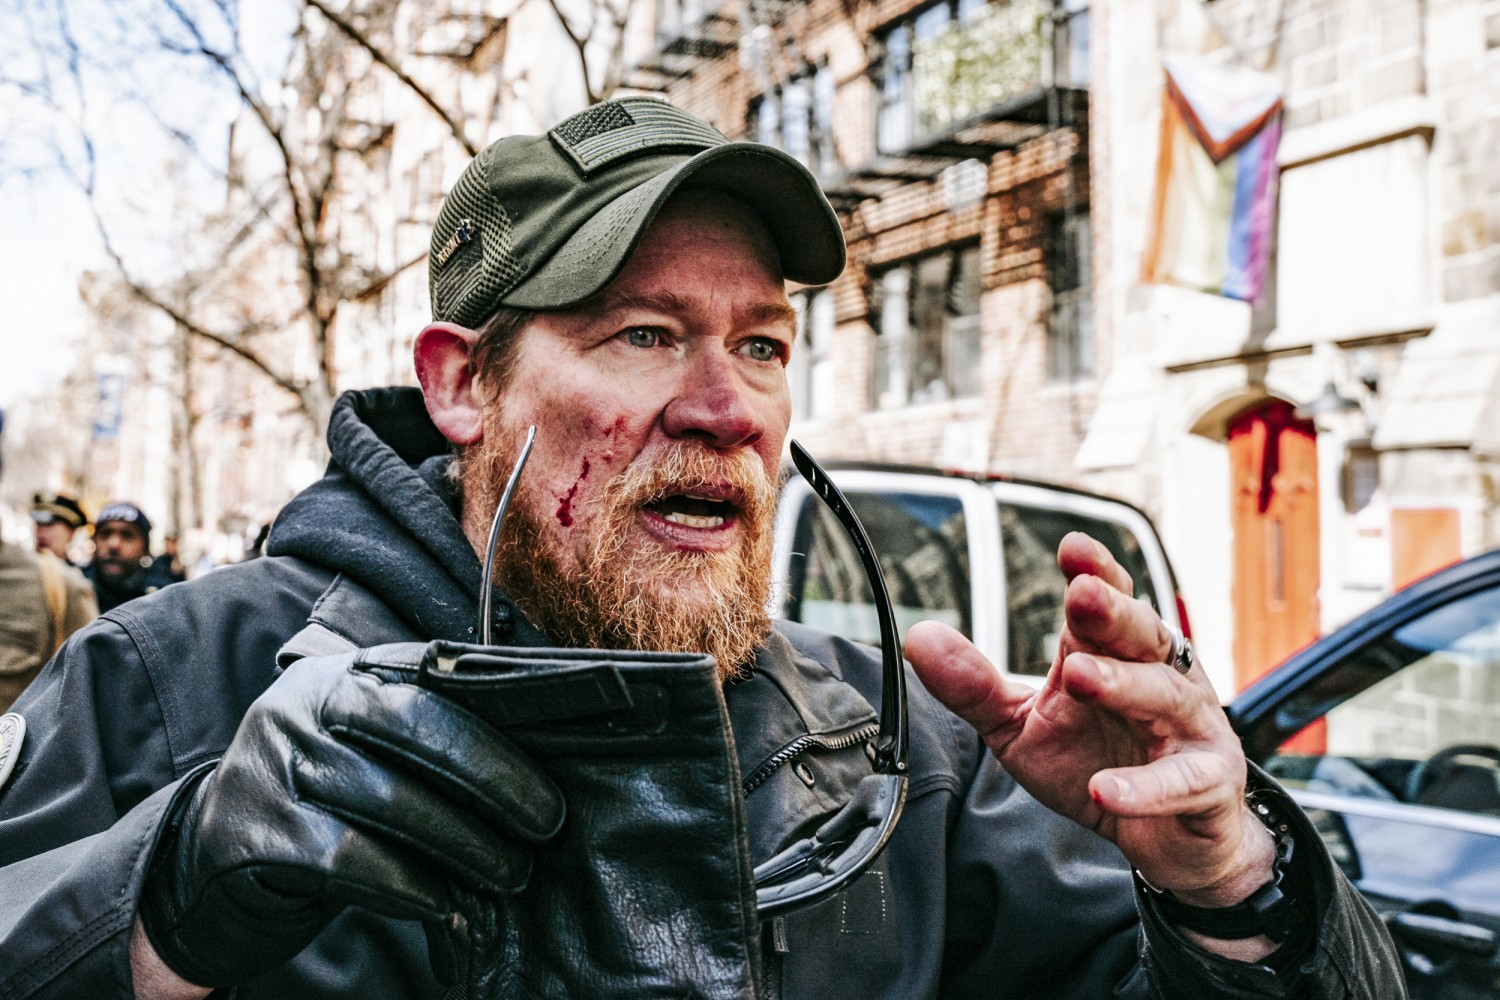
{"x": 777, "y": 187}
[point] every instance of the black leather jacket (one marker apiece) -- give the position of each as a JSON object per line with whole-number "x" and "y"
{"x": 981, "y": 892}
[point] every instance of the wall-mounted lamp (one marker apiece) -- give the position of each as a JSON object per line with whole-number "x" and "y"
{"x": 1329, "y": 403}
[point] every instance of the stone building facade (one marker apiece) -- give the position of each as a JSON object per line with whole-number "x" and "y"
{"x": 1376, "y": 348}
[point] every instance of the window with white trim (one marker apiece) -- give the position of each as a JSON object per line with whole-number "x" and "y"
{"x": 810, "y": 372}
{"x": 796, "y": 115}
{"x": 925, "y": 313}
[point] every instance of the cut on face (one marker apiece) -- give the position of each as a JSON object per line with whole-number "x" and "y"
{"x": 629, "y": 592}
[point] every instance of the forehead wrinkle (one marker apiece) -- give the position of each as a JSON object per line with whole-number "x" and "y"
{"x": 668, "y": 301}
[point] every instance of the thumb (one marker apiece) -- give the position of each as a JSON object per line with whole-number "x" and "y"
{"x": 959, "y": 676}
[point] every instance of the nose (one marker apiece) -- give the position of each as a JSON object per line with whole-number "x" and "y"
{"x": 713, "y": 404}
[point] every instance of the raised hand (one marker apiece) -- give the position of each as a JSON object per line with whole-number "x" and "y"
{"x": 1115, "y": 739}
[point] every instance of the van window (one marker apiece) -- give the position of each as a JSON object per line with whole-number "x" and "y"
{"x": 921, "y": 543}
{"x": 1034, "y": 586}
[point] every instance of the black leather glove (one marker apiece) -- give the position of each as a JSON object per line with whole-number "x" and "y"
{"x": 340, "y": 788}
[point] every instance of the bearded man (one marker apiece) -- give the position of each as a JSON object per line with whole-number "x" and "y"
{"x": 202, "y": 800}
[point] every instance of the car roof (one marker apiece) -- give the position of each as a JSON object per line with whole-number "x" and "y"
{"x": 983, "y": 478}
{"x": 1251, "y": 709}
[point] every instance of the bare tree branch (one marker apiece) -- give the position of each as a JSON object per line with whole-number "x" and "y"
{"x": 379, "y": 55}
{"x": 614, "y": 65}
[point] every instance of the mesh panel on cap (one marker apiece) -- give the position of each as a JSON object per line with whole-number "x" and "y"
{"x": 465, "y": 289}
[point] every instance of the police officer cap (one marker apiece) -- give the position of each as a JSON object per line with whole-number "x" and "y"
{"x": 52, "y": 508}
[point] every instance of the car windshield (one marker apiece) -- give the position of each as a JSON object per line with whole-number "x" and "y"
{"x": 1412, "y": 716}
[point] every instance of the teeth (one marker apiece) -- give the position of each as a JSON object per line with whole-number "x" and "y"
{"x": 694, "y": 520}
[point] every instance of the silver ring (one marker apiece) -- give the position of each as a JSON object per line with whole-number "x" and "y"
{"x": 1180, "y": 655}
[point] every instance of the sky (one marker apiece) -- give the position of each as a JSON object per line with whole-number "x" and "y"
{"x": 46, "y": 242}
{"x": 48, "y": 238}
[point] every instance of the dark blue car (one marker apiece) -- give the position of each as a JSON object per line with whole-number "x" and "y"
{"x": 1407, "y": 793}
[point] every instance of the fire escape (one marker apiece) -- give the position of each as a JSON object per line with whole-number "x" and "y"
{"x": 955, "y": 91}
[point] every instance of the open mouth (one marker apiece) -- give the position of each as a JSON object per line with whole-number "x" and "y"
{"x": 695, "y": 510}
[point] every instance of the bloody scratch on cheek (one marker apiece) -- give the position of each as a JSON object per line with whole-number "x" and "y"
{"x": 565, "y": 504}
{"x": 618, "y": 424}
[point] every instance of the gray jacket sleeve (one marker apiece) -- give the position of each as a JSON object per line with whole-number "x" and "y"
{"x": 1060, "y": 898}
{"x": 77, "y": 818}
{"x": 131, "y": 704}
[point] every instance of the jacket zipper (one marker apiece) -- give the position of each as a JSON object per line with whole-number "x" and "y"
{"x": 802, "y": 743}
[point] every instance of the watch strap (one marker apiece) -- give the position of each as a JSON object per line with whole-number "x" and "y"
{"x": 1269, "y": 910}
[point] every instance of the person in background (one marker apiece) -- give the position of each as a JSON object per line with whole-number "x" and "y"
{"x": 123, "y": 569}
{"x": 169, "y": 565}
{"x": 43, "y": 600}
{"x": 57, "y": 518}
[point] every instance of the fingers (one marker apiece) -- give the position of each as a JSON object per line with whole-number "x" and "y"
{"x": 1102, "y": 619}
{"x": 1189, "y": 783}
{"x": 448, "y": 748}
{"x": 395, "y": 814}
{"x": 1078, "y": 554}
{"x": 1172, "y": 707}
{"x": 960, "y": 677}
{"x": 1195, "y": 764}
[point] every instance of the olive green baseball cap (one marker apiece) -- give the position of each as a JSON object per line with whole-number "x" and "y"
{"x": 546, "y": 221}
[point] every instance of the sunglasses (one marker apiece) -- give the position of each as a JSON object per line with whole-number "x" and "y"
{"x": 814, "y": 867}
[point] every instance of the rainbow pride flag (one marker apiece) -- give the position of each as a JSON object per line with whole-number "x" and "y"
{"x": 1215, "y": 200}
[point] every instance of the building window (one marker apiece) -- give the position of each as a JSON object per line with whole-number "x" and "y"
{"x": 676, "y": 17}
{"x": 952, "y": 60}
{"x": 926, "y": 318}
{"x": 1070, "y": 324}
{"x": 811, "y": 369}
{"x": 797, "y": 116}
{"x": 1070, "y": 44}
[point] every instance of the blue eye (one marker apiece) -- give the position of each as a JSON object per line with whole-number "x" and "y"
{"x": 762, "y": 349}
{"x": 641, "y": 336}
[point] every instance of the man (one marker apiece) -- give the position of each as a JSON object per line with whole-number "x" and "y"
{"x": 122, "y": 568}
{"x": 305, "y": 829}
{"x": 43, "y": 600}
{"x": 56, "y": 517}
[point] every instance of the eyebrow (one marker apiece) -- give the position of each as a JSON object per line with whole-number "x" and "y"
{"x": 670, "y": 302}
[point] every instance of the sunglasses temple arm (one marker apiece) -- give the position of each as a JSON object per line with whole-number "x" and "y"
{"x": 891, "y": 747}
{"x": 487, "y": 580}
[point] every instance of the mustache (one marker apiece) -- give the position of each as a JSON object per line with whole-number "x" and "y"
{"x": 737, "y": 478}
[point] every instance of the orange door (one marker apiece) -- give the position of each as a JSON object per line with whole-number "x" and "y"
{"x": 1273, "y": 457}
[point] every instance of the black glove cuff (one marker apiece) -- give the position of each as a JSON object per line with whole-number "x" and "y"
{"x": 160, "y": 908}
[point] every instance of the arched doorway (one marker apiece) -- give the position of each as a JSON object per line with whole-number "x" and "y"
{"x": 1273, "y": 462}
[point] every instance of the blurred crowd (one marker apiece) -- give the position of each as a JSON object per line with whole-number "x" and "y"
{"x": 45, "y": 596}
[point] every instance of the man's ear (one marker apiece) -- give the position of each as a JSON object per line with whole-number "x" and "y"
{"x": 443, "y": 367}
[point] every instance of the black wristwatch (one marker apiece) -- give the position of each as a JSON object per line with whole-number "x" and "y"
{"x": 1270, "y": 910}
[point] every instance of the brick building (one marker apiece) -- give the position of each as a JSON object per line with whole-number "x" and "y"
{"x": 953, "y": 139}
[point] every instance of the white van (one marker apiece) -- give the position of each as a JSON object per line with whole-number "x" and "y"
{"x": 976, "y": 552}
